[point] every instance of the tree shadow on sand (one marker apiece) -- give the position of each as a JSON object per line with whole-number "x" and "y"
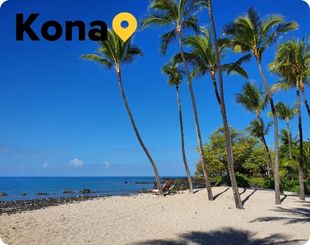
{"x": 297, "y": 215}
{"x": 222, "y": 192}
{"x": 227, "y": 236}
{"x": 242, "y": 192}
{"x": 248, "y": 197}
{"x": 287, "y": 195}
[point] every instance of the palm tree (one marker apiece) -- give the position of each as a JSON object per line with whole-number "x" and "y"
{"x": 115, "y": 53}
{"x": 175, "y": 78}
{"x": 179, "y": 15}
{"x": 292, "y": 64}
{"x": 286, "y": 113}
{"x": 202, "y": 58}
{"x": 286, "y": 138}
{"x": 251, "y": 34}
{"x": 230, "y": 156}
{"x": 259, "y": 130}
{"x": 254, "y": 100}
{"x": 302, "y": 60}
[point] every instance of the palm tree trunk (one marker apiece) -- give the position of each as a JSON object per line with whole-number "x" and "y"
{"x": 289, "y": 138}
{"x": 301, "y": 149}
{"x": 306, "y": 101}
{"x": 277, "y": 181}
{"x": 198, "y": 132}
{"x": 230, "y": 156}
{"x": 263, "y": 139}
{"x": 120, "y": 83}
{"x": 189, "y": 179}
{"x": 217, "y": 94}
{"x": 268, "y": 155}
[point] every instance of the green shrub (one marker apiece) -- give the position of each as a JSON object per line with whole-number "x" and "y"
{"x": 290, "y": 185}
{"x": 261, "y": 183}
{"x": 307, "y": 187}
{"x": 216, "y": 181}
{"x": 242, "y": 180}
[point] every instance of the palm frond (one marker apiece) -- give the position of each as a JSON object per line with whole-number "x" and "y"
{"x": 98, "y": 59}
{"x": 166, "y": 39}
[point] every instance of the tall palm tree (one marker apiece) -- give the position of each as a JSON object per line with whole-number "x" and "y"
{"x": 228, "y": 145}
{"x": 254, "y": 100}
{"x": 292, "y": 64}
{"x": 113, "y": 54}
{"x": 175, "y": 78}
{"x": 254, "y": 35}
{"x": 202, "y": 58}
{"x": 259, "y": 130}
{"x": 286, "y": 113}
{"x": 179, "y": 15}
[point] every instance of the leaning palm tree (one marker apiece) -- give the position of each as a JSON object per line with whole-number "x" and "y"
{"x": 228, "y": 145}
{"x": 113, "y": 54}
{"x": 179, "y": 15}
{"x": 286, "y": 113}
{"x": 259, "y": 130}
{"x": 254, "y": 100}
{"x": 251, "y": 34}
{"x": 175, "y": 78}
{"x": 292, "y": 64}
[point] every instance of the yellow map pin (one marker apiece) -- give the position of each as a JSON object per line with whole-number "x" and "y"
{"x": 124, "y": 32}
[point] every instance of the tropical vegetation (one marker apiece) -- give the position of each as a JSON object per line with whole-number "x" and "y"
{"x": 240, "y": 158}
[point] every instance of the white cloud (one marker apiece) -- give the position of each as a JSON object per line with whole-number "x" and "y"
{"x": 45, "y": 165}
{"x": 77, "y": 163}
{"x": 107, "y": 164}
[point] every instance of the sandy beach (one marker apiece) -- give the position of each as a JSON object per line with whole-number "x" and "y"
{"x": 175, "y": 219}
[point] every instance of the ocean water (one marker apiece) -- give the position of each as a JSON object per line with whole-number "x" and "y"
{"x": 16, "y": 187}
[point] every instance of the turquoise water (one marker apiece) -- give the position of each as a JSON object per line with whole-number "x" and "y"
{"x": 55, "y": 186}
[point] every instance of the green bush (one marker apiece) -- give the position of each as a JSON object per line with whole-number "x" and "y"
{"x": 307, "y": 187}
{"x": 242, "y": 180}
{"x": 216, "y": 181}
{"x": 291, "y": 185}
{"x": 261, "y": 183}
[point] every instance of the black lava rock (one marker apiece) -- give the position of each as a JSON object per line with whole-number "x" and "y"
{"x": 86, "y": 191}
{"x": 69, "y": 192}
{"x": 42, "y": 194}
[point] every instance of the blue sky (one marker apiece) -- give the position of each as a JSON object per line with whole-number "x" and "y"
{"x": 63, "y": 116}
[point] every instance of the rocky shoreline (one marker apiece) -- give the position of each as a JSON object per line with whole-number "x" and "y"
{"x": 19, "y": 206}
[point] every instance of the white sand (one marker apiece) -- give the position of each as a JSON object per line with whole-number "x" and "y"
{"x": 176, "y": 219}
